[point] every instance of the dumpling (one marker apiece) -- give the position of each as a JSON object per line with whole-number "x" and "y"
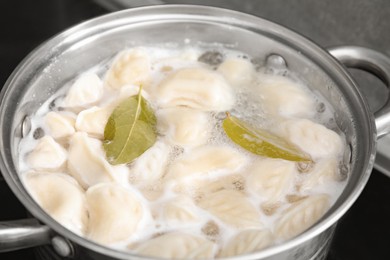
{"x": 59, "y": 125}
{"x": 247, "y": 241}
{"x": 47, "y": 155}
{"x": 114, "y": 213}
{"x": 228, "y": 182}
{"x": 61, "y": 197}
{"x": 206, "y": 160}
{"x": 323, "y": 171}
{"x": 201, "y": 188}
{"x": 271, "y": 178}
{"x": 129, "y": 67}
{"x": 238, "y": 72}
{"x": 152, "y": 164}
{"x": 187, "y": 58}
{"x": 86, "y": 90}
{"x": 196, "y": 88}
{"x": 87, "y": 162}
{"x": 93, "y": 120}
{"x": 184, "y": 126}
{"x": 128, "y": 91}
{"x": 180, "y": 210}
{"x": 312, "y": 138}
{"x": 301, "y": 215}
{"x": 281, "y": 96}
{"x": 233, "y": 208}
{"x": 177, "y": 245}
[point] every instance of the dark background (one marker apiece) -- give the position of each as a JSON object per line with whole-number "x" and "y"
{"x": 364, "y": 232}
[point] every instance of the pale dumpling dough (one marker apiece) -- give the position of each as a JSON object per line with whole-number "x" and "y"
{"x": 87, "y": 162}
{"x": 180, "y": 210}
{"x": 204, "y": 160}
{"x": 47, "y": 155}
{"x": 169, "y": 64}
{"x": 312, "y": 138}
{"x": 196, "y": 88}
{"x": 129, "y": 67}
{"x": 202, "y": 188}
{"x": 301, "y": 215}
{"x": 323, "y": 171}
{"x": 59, "y": 125}
{"x": 114, "y": 212}
{"x": 130, "y": 90}
{"x": 281, "y": 96}
{"x": 184, "y": 126}
{"x": 85, "y": 91}
{"x": 238, "y": 72}
{"x": 151, "y": 165}
{"x": 61, "y": 197}
{"x": 177, "y": 245}
{"x": 233, "y": 208}
{"x": 93, "y": 120}
{"x": 271, "y": 178}
{"x": 247, "y": 241}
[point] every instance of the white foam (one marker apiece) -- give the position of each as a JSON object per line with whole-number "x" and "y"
{"x": 246, "y": 107}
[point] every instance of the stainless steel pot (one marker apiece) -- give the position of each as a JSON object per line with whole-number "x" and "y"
{"x": 61, "y": 58}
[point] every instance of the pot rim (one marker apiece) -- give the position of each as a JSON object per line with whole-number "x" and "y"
{"x": 141, "y": 14}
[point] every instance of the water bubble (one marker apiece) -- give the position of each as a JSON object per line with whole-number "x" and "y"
{"x": 276, "y": 61}
{"x": 52, "y": 104}
{"x": 220, "y": 116}
{"x": 270, "y": 208}
{"x": 305, "y": 167}
{"x": 258, "y": 63}
{"x": 239, "y": 185}
{"x": 343, "y": 171}
{"x": 211, "y": 58}
{"x": 177, "y": 151}
{"x": 321, "y": 107}
{"x": 211, "y": 230}
{"x": 38, "y": 133}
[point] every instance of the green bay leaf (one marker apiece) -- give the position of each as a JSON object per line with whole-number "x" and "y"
{"x": 130, "y": 130}
{"x": 261, "y": 142}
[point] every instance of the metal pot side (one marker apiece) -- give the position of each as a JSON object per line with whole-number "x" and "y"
{"x": 62, "y": 58}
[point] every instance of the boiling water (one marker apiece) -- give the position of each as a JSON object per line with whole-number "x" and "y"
{"x": 248, "y": 107}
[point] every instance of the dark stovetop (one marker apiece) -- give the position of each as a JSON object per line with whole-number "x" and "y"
{"x": 364, "y": 232}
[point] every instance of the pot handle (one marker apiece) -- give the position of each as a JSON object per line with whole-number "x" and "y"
{"x": 19, "y": 234}
{"x": 375, "y": 63}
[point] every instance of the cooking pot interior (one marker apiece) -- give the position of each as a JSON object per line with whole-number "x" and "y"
{"x": 62, "y": 58}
